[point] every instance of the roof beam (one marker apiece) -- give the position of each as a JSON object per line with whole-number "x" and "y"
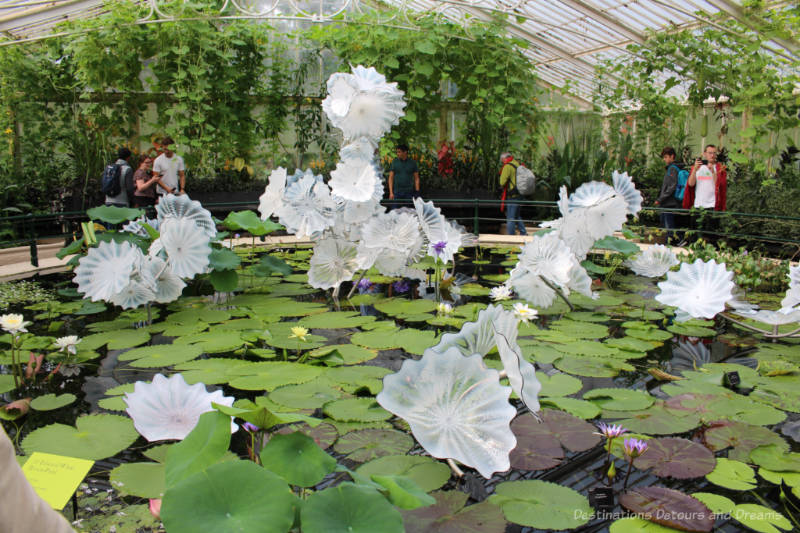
{"x": 54, "y": 10}
{"x": 736, "y": 12}
{"x": 605, "y": 19}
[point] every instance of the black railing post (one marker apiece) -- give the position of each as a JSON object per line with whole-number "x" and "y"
{"x": 475, "y": 228}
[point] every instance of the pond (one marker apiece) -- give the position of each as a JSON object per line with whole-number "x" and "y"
{"x": 620, "y": 358}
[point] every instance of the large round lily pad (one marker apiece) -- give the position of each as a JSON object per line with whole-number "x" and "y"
{"x": 95, "y": 437}
{"x": 271, "y": 375}
{"x": 49, "y": 402}
{"x": 411, "y": 340}
{"x": 161, "y": 355}
{"x": 619, "y": 399}
{"x": 677, "y": 458}
{"x": 230, "y": 497}
{"x": 349, "y": 508}
{"x": 336, "y": 319}
{"x": 658, "y": 420}
{"x": 541, "y": 505}
{"x": 573, "y": 406}
{"x": 309, "y": 395}
{"x": 669, "y": 507}
{"x": 732, "y": 475}
{"x": 356, "y": 410}
{"x": 368, "y": 444}
{"x": 743, "y": 438}
{"x": 426, "y": 472}
{"x": 448, "y": 515}
{"x": 297, "y": 459}
{"x": 145, "y": 480}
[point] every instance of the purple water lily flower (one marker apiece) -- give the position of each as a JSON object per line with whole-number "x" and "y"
{"x": 250, "y": 428}
{"x": 634, "y": 447}
{"x": 610, "y": 431}
{"x": 401, "y": 286}
{"x": 439, "y": 247}
{"x": 364, "y": 284}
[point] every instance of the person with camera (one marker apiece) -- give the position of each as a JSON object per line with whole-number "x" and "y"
{"x": 707, "y": 187}
{"x": 170, "y": 168}
{"x": 145, "y": 184}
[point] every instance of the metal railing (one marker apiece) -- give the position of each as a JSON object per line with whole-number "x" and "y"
{"x": 32, "y": 229}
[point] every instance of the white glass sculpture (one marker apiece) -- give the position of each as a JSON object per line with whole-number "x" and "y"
{"x": 792, "y": 298}
{"x": 334, "y": 261}
{"x": 700, "y": 289}
{"x": 653, "y": 262}
{"x": 308, "y": 208}
{"x": 773, "y": 318}
{"x": 363, "y": 104}
{"x": 186, "y": 245}
{"x": 165, "y": 284}
{"x": 169, "y": 408}
{"x": 354, "y": 179}
{"x": 136, "y": 227}
{"x": 497, "y": 327}
{"x": 106, "y": 270}
{"x": 590, "y": 194}
{"x": 361, "y": 148}
{"x": 394, "y": 240}
{"x": 271, "y": 200}
{"x": 136, "y": 293}
{"x": 455, "y": 407}
{"x": 623, "y": 185}
{"x": 183, "y": 207}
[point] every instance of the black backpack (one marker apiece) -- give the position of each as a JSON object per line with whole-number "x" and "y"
{"x": 110, "y": 183}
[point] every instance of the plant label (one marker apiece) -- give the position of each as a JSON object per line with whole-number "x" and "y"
{"x": 732, "y": 380}
{"x": 55, "y": 477}
{"x": 602, "y": 499}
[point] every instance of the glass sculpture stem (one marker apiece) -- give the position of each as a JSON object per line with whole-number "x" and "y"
{"x": 558, "y": 291}
{"x": 355, "y": 285}
{"x": 456, "y": 470}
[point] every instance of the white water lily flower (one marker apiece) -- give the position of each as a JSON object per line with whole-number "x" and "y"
{"x": 523, "y": 313}
{"x": 623, "y": 185}
{"x": 169, "y": 408}
{"x": 455, "y": 407}
{"x": 700, "y": 289}
{"x": 186, "y": 245}
{"x": 182, "y": 207}
{"x": 653, "y": 262}
{"x": 136, "y": 293}
{"x": 497, "y": 327}
{"x": 501, "y": 292}
{"x": 308, "y": 208}
{"x": 67, "y": 344}
{"x": 334, "y": 261}
{"x": 354, "y": 179}
{"x": 363, "y": 104}
{"x": 271, "y": 200}
{"x": 165, "y": 284}
{"x": 107, "y": 269}
{"x": 13, "y": 323}
{"x": 444, "y": 309}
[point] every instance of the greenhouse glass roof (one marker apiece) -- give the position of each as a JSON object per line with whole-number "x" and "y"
{"x": 568, "y": 38}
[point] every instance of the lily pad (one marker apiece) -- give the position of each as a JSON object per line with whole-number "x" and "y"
{"x": 211, "y": 500}
{"x": 323, "y": 434}
{"x": 558, "y": 384}
{"x": 539, "y": 443}
{"x": 733, "y": 475}
{"x": 161, "y": 355}
{"x": 270, "y": 375}
{"x": 573, "y": 406}
{"x": 113, "y": 214}
{"x": 579, "y": 330}
{"x": 309, "y": 395}
{"x": 691, "y": 330}
{"x": 657, "y": 420}
{"x": 760, "y": 518}
{"x": 6, "y": 383}
{"x": 49, "y": 402}
{"x": 115, "y": 340}
{"x": 95, "y": 437}
{"x": 743, "y": 438}
{"x": 773, "y": 457}
{"x": 426, "y": 472}
{"x": 619, "y": 399}
{"x": 592, "y": 366}
{"x": 350, "y": 354}
{"x": 211, "y": 371}
{"x": 411, "y": 340}
{"x": 634, "y": 524}
{"x": 448, "y": 515}
{"x": 349, "y": 508}
{"x": 541, "y": 505}
{"x": 368, "y": 444}
{"x": 356, "y": 410}
{"x": 144, "y": 480}
{"x": 335, "y": 319}
{"x": 655, "y": 335}
{"x": 297, "y": 459}
{"x": 190, "y": 316}
{"x": 214, "y": 341}
{"x": 669, "y": 507}
{"x": 400, "y": 307}
{"x": 676, "y": 458}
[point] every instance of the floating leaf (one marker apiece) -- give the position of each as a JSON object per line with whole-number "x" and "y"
{"x": 448, "y": 515}
{"x": 356, "y": 409}
{"x": 619, "y": 399}
{"x": 349, "y": 508}
{"x": 638, "y": 525}
{"x": 144, "y": 480}
{"x": 350, "y": 354}
{"x": 411, "y": 340}
{"x": 541, "y": 505}
{"x": 579, "y": 408}
{"x": 368, "y": 444}
{"x": 190, "y": 316}
{"x": 48, "y": 402}
{"x": 742, "y": 437}
{"x": 323, "y": 434}
{"x": 426, "y": 472}
{"x": 591, "y": 366}
{"x": 250, "y": 222}
{"x": 112, "y": 214}
{"x": 760, "y": 518}
{"x": 403, "y": 492}
{"x": 657, "y": 420}
{"x": 677, "y": 458}
{"x": 558, "y": 384}
{"x": 309, "y": 395}
{"x": 669, "y": 507}
{"x": 95, "y": 437}
{"x": 161, "y": 355}
{"x": 117, "y": 339}
{"x": 336, "y": 319}
{"x": 212, "y": 500}
{"x": 732, "y": 475}
{"x": 775, "y": 458}
{"x": 271, "y": 375}
{"x": 297, "y": 459}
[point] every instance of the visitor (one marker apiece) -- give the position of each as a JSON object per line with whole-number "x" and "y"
{"x": 666, "y": 198}
{"x": 21, "y": 509}
{"x": 123, "y": 198}
{"x": 508, "y": 180}
{"x": 145, "y": 183}
{"x": 707, "y": 189}
{"x": 403, "y": 176}
{"x": 170, "y": 168}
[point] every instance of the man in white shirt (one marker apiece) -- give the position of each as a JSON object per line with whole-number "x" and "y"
{"x": 170, "y": 169}
{"x": 706, "y": 189}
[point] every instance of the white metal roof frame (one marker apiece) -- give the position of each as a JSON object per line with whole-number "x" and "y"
{"x": 567, "y": 38}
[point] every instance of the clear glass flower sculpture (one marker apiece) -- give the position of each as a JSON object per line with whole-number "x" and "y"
{"x": 773, "y": 318}
{"x": 497, "y": 327}
{"x": 271, "y": 200}
{"x": 363, "y": 104}
{"x": 623, "y": 185}
{"x": 134, "y": 294}
{"x": 394, "y": 240}
{"x": 653, "y": 262}
{"x": 361, "y": 148}
{"x": 186, "y": 245}
{"x": 106, "y": 270}
{"x": 175, "y": 207}
{"x": 590, "y": 194}
{"x": 792, "y": 298}
{"x": 354, "y": 179}
{"x": 334, "y": 261}
{"x": 308, "y": 208}
{"x": 136, "y": 226}
{"x": 169, "y": 408}
{"x": 700, "y": 289}
{"x": 455, "y": 407}
{"x": 165, "y": 284}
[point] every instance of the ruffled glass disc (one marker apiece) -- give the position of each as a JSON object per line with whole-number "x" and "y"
{"x": 699, "y": 289}
{"x": 653, "y": 262}
{"x": 186, "y": 245}
{"x": 623, "y": 185}
{"x": 106, "y": 270}
{"x": 177, "y": 207}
